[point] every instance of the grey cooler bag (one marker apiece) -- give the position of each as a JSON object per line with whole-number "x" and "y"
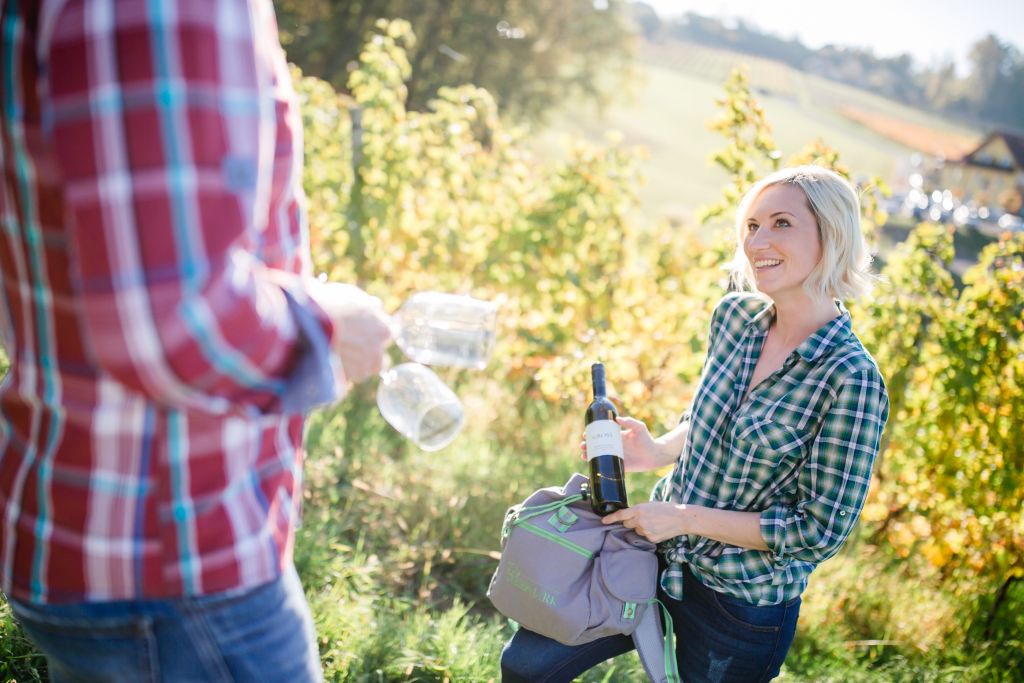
{"x": 565, "y": 575}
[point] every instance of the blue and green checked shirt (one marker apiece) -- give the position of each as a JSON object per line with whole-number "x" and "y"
{"x": 799, "y": 451}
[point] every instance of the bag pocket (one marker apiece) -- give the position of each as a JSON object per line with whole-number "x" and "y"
{"x": 622, "y": 586}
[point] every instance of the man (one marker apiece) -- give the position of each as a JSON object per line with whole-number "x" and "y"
{"x": 165, "y": 337}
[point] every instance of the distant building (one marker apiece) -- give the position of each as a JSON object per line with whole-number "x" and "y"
{"x": 991, "y": 175}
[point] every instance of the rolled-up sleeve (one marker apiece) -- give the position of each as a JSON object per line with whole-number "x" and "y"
{"x": 833, "y": 483}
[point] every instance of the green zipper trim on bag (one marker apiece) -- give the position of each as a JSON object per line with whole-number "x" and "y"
{"x": 519, "y": 515}
{"x": 528, "y": 512}
{"x": 544, "y": 533}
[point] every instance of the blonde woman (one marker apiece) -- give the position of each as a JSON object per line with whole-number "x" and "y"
{"x": 773, "y": 458}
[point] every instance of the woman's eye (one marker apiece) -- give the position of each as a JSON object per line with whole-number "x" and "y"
{"x": 782, "y": 223}
{"x": 751, "y": 227}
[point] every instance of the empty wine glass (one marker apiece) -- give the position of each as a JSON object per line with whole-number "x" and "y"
{"x": 419, "y": 405}
{"x": 435, "y": 328}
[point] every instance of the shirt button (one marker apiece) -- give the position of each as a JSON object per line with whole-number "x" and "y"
{"x": 842, "y": 513}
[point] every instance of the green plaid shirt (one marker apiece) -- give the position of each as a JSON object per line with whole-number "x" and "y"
{"x": 799, "y": 451}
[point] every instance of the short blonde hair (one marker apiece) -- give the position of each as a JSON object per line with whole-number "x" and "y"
{"x": 843, "y": 271}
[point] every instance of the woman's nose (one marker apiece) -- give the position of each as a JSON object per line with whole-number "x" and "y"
{"x": 757, "y": 239}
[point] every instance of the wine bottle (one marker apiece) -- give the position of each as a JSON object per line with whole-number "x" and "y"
{"x": 604, "y": 450}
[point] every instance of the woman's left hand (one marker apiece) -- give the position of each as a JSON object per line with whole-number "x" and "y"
{"x": 655, "y": 521}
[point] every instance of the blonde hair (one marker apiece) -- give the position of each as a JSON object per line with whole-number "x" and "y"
{"x": 843, "y": 271}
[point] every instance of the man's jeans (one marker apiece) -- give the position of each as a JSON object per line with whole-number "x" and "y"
{"x": 719, "y": 639}
{"x": 263, "y": 634}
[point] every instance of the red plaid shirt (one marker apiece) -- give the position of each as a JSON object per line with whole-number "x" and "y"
{"x": 153, "y": 255}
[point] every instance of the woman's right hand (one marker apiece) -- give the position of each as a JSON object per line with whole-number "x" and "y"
{"x": 641, "y": 450}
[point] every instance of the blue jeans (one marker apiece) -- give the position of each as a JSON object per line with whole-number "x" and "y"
{"x": 719, "y": 639}
{"x": 263, "y": 634}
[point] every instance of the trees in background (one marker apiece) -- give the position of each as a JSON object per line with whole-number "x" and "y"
{"x": 991, "y": 91}
{"x": 529, "y": 54}
{"x": 994, "y": 88}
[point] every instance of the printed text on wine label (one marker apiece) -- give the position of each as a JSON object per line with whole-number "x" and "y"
{"x": 603, "y": 438}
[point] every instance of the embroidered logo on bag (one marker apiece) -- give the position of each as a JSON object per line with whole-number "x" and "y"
{"x": 516, "y": 577}
{"x": 629, "y": 611}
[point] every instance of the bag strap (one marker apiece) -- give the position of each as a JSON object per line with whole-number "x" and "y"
{"x": 518, "y": 514}
{"x": 526, "y": 513}
{"x": 656, "y": 645}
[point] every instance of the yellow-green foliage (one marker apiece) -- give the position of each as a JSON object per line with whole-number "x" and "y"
{"x": 951, "y": 485}
{"x": 450, "y": 199}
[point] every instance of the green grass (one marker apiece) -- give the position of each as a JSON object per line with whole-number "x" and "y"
{"x": 666, "y": 115}
{"x": 671, "y": 100}
{"x": 19, "y": 660}
{"x": 776, "y": 78}
{"x": 398, "y": 545}
{"x": 397, "y": 548}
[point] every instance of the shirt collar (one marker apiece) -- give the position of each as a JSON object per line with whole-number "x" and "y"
{"x": 819, "y": 343}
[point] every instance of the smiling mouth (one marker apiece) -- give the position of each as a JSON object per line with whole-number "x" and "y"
{"x": 767, "y": 264}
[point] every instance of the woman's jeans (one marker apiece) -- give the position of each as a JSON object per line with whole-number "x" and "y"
{"x": 262, "y": 634}
{"x": 718, "y": 639}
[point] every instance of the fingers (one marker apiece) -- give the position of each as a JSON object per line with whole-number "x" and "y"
{"x": 362, "y": 330}
{"x": 340, "y": 294}
{"x": 631, "y": 425}
{"x": 619, "y": 516}
{"x": 630, "y": 519}
{"x": 362, "y": 342}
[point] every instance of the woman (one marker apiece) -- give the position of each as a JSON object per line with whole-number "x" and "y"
{"x": 774, "y": 457}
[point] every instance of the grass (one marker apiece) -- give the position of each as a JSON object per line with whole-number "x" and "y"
{"x": 399, "y": 590}
{"x": 776, "y": 78}
{"x": 672, "y": 99}
{"x": 398, "y": 545}
{"x": 666, "y": 114}
{"x": 19, "y": 661}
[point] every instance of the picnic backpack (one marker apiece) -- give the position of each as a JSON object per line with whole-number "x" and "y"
{"x": 565, "y": 575}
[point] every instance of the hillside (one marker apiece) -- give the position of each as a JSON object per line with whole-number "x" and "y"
{"x": 674, "y": 96}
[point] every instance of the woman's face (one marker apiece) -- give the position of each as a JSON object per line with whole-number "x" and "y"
{"x": 781, "y": 240}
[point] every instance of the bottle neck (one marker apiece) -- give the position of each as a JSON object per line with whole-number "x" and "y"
{"x": 597, "y": 377}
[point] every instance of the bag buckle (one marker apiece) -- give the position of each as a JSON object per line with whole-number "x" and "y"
{"x": 510, "y": 519}
{"x": 563, "y": 519}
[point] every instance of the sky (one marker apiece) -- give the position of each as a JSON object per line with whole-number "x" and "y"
{"x": 929, "y": 30}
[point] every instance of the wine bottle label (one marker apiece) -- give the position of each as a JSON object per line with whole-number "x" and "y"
{"x": 604, "y": 437}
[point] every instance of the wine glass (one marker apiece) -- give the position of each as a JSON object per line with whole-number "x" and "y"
{"x": 419, "y": 405}
{"x": 435, "y": 328}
